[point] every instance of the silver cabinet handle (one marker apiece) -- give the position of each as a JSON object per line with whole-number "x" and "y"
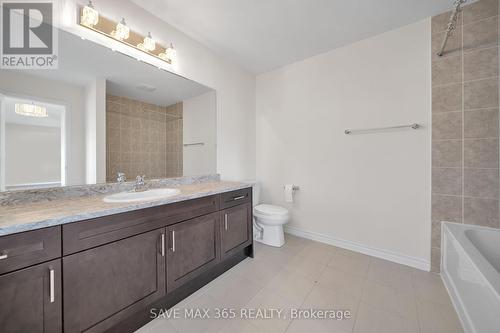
{"x": 225, "y": 221}
{"x": 240, "y": 197}
{"x": 52, "y": 282}
{"x": 3, "y": 256}
{"x": 162, "y": 245}
{"x": 173, "y": 240}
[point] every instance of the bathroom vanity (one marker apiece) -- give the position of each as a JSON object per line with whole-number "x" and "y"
{"x": 77, "y": 253}
{"x": 106, "y": 273}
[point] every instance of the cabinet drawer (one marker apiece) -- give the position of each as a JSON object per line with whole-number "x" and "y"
{"x": 87, "y": 234}
{"x": 29, "y": 248}
{"x": 235, "y": 198}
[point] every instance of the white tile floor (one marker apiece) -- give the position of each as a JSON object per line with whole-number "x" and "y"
{"x": 383, "y": 297}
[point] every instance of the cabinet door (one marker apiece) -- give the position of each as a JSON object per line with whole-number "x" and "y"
{"x": 30, "y": 299}
{"x": 236, "y": 229}
{"x": 104, "y": 285}
{"x": 193, "y": 247}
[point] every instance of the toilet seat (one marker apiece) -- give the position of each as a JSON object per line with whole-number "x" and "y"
{"x": 270, "y": 210}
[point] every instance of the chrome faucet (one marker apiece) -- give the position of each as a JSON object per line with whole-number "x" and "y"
{"x": 140, "y": 184}
{"x": 121, "y": 177}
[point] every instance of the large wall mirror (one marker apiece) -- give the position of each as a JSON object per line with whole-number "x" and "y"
{"x": 99, "y": 114}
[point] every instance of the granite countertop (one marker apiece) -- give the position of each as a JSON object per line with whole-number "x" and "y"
{"x": 35, "y": 215}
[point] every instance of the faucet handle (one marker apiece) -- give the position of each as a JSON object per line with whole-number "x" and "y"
{"x": 121, "y": 178}
{"x": 140, "y": 179}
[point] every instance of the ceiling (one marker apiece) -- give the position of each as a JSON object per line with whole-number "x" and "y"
{"x": 81, "y": 61}
{"x": 262, "y": 35}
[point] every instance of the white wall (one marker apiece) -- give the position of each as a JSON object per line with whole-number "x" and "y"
{"x": 95, "y": 131}
{"x": 18, "y": 84}
{"x": 368, "y": 192}
{"x": 235, "y": 87}
{"x": 199, "y": 122}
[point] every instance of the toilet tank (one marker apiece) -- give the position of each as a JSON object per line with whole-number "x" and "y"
{"x": 255, "y": 190}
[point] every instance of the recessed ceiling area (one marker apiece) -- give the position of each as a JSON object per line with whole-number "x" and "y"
{"x": 262, "y": 35}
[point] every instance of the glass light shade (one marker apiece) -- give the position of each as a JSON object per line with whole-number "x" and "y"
{"x": 31, "y": 110}
{"x": 149, "y": 43}
{"x": 169, "y": 55}
{"x": 90, "y": 16}
{"x": 121, "y": 31}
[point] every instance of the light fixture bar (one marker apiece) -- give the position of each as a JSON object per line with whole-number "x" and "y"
{"x": 31, "y": 110}
{"x": 118, "y": 32}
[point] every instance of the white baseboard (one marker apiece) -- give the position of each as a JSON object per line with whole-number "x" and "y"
{"x": 357, "y": 247}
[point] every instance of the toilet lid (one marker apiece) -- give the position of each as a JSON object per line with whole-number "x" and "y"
{"x": 271, "y": 210}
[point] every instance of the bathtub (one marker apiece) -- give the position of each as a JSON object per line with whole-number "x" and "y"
{"x": 470, "y": 268}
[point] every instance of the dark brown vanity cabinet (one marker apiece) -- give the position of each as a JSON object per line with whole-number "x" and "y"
{"x": 99, "y": 274}
{"x": 193, "y": 247}
{"x": 235, "y": 229}
{"x": 30, "y": 299}
{"x": 105, "y": 284}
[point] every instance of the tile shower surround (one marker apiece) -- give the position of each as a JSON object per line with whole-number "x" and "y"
{"x": 465, "y": 124}
{"x": 142, "y": 138}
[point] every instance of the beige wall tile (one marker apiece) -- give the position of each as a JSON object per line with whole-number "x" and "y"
{"x": 480, "y": 119}
{"x": 447, "y": 125}
{"x": 138, "y": 132}
{"x": 447, "y": 98}
{"x": 480, "y": 10}
{"x": 436, "y": 234}
{"x": 481, "y": 183}
{"x": 481, "y": 94}
{"x": 482, "y": 212}
{"x": 481, "y": 64}
{"x": 440, "y": 22}
{"x": 453, "y": 46}
{"x": 482, "y": 33}
{"x": 446, "y": 208}
{"x": 112, "y": 120}
{"x": 481, "y": 153}
{"x": 481, "y": 124}
{"x": 447, "y": 153}
{"x": 435, "y": 259}
{"x": 447, "y": 70}
{"x": 447, "y": 181}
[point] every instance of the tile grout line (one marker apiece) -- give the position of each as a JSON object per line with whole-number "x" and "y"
{"x": 463, "y": 139}
{"x": 465, "y": 24}
{"x": 463, "y": 81}
{"x": 362, "y": 293}
{"x": 463, "y": 128}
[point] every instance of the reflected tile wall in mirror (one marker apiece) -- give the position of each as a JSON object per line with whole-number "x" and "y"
{"x": 143, "y": 139}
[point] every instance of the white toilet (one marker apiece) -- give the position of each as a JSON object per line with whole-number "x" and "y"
{"x": 268, "y": 220}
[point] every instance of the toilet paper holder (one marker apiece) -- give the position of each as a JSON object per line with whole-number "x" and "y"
{"x": 294, "y": 187}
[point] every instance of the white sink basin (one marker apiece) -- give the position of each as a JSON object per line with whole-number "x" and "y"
{"x": 149, "y": 195}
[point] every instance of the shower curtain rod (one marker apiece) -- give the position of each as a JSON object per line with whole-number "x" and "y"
{"x": 452, "y": 24}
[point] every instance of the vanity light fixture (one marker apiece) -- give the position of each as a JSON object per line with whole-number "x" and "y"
{"x": 90, "y": 16}
{"x": 121, "y": 32}
{"x": 31, "y": 110}
{"x": 170, "y": 54}
{"x": 148, "y": 44}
